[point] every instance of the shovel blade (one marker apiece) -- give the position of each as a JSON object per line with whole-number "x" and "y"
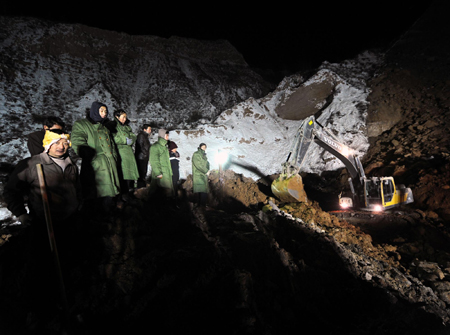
{"x": 289, "y": 189}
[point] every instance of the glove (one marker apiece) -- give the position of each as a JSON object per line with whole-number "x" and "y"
{"x": 25, "y": 219}
{"x": 129, "y": 141}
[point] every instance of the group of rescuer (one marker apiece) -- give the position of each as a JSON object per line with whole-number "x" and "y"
{"x": 51, "y": 185}
{"x": 109, "y": 166}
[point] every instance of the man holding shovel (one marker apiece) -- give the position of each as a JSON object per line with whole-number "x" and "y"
{"x": 62, "y": 182}
{"x": 50, "y": 182}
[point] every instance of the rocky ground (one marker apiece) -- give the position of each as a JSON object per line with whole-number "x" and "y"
{"x": 246, "y": 265}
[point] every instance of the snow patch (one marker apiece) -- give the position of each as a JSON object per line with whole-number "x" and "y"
{"x": 258, "y": 141}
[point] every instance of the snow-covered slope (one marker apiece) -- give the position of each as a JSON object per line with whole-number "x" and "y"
{"x": 258, "y": 140}
{"x": 60, "y": 69}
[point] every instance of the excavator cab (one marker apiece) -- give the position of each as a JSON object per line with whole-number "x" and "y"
{"x": 393, "y": 196}
{"x": 372, "y": 195}
{"x": 382, "y": 194}
{"x": 388, "y": 190}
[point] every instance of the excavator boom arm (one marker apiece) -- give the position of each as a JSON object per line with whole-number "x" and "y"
{"x": 311, "y": 131}
{"x": 289, "y": 184}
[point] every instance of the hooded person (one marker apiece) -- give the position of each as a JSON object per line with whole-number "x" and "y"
{"x": 92, "y": 141}
{"x": 161, "y": 176}
{"x": 200, "y": 168}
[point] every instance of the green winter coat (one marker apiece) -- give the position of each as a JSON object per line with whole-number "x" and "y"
{"x": 200, "y": 166}
{"x": 93, "y": 143}
{"x": 127, "y": 159}
{"x": 160, "y": 164}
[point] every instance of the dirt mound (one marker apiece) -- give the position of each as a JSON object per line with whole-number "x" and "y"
{"x": 230, "y": 190}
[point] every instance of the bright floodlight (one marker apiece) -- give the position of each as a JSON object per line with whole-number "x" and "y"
{"x": 221, "y": 157}
{"x": 377, "y": 208}
{"x": 346, "y": 151}
{"x": 345, "y": 202}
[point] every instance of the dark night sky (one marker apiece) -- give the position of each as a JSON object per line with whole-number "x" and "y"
{"x": 276, "y": 36}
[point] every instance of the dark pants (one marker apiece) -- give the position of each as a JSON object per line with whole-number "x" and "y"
{"x": 142, "y": 165}
{"x": 47, "y": 277}
{"x": 202, "y": 198}
{"x": 175, "y": 179}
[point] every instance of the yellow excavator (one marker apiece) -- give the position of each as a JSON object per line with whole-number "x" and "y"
{"x": 372, "y": 194}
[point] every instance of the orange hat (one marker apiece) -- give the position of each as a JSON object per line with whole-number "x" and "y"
{"x": 51, "y": 138}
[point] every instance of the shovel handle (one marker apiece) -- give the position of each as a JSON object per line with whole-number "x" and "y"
{"x": 48, "y": 217}
{"x": 51, "y": 236}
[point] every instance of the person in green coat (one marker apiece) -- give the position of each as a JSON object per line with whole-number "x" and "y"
{"x": 92, "y": 141}
{"x": 200, "y": 169}
{"x": 161, "y": 176}
{"x": 124, "y": 139}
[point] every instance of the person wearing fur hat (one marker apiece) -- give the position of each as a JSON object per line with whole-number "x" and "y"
{"x": 63, "y": 192}
{"x": 200, "y": 169}
{"x": 161, "y": 176}
{"x": 61, "y": 177}
{"x": 92, "y": 141}
{"x": 174, "y": 164}
{"x": 35, "y": 139}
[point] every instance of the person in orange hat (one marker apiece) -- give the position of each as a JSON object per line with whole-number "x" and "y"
{"x": 35, "y": 139}
{"x": 22, "y": 194}
{"x": 61, "y": 177}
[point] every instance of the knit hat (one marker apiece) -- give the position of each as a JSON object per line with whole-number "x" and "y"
{"x": 172, "y": 145}
{"x": 162, "y": 133}
{"x": 51, "y": 137}
{"x": 94, "y": 112}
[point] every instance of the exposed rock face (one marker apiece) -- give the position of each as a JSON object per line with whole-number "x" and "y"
{"x": 413, "y": 87}
{"x": 323, "y": 89}
{"x": 307, "y": 100}
{"x": 48, "y": 67}
{"x": 415, "y": 75}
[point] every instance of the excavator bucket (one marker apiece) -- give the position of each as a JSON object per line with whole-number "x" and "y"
{"x": 289, "y": 189}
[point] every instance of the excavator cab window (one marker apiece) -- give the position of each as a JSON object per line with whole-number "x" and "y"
{"x": 388, "y": 190}
{"x": 373, "y": 192}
